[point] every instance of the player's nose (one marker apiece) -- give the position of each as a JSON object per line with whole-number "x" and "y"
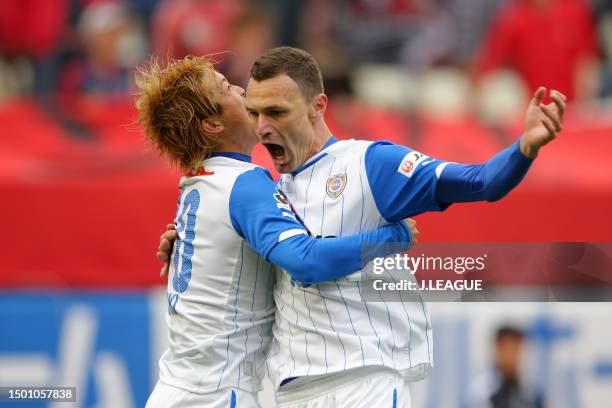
{"x": 263, "y": 128}
{"x": 239, "y": 90}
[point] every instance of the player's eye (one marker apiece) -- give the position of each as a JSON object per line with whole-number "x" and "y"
{"x": 275, "y": 113}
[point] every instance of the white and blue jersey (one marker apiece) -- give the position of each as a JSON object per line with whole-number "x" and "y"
{"x": 231, "y": 220}
{"x": 350, "y": 187}
{"x": 219, "y": 305}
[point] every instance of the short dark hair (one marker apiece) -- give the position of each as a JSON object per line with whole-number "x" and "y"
{"x": 509, "y": 332}
{"x": 297, "y": 64}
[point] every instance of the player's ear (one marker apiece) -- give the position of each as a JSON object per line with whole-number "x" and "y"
{"x": 212, "y": 126}
{"x": 318, "y": 106}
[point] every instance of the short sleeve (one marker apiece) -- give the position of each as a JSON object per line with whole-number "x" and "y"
{"x": 260, "y": 212}
{"x": 403, "y": 181}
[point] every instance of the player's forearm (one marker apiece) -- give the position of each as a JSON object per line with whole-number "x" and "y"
{"x": 490, "y": 181}
{"x": 312, "y": 261}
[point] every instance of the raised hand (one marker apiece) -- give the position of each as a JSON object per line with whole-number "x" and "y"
{"x": 542, "y": 122}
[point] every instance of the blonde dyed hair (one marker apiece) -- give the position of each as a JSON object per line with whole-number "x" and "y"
{"x": 172, "y": 103}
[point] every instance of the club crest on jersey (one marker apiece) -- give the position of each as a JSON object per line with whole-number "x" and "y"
{"x": 410, "y": 162}
{"x": 335, "y": 185}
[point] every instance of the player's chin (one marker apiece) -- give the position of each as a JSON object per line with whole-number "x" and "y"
{"x": 284, "y": 168}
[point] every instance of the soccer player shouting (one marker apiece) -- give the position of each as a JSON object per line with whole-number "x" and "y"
{"x": 231, "y": 220}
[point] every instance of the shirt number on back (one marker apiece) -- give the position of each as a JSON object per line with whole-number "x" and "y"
{"x": 182, "y": 276}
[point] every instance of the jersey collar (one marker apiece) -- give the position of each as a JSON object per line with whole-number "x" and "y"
{"x": 315, "y": 158}
{"x": 231, "y": 155}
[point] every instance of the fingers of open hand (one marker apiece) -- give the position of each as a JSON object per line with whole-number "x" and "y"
{"x": 553, "y": 114}
{"x": 539, "y": 95}
{"x": 549, "y": 126}
{"x": 560, "y": 101}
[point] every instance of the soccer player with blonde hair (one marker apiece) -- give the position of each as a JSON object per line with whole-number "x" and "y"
{"x": 232, "y": 225}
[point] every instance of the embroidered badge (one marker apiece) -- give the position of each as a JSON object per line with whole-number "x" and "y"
{"x": 335, "y": 185}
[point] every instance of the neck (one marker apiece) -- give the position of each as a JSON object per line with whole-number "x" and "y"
{"x": 244, "y": 145}
{"x": 322, "y": 135}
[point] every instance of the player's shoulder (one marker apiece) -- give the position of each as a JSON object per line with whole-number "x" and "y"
{"x": 365, "y": 149}
{"x": 252, "y": 184}
{"x": 348, "y": 147}
{"x": 219, "y": 171}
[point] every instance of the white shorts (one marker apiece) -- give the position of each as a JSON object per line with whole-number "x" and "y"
{"x": 168, "y": 396}
{"x": 359, "y": 388}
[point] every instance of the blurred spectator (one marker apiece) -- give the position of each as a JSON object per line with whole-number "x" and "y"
{"x": 288, "y": 18}
{"x": 113, "y": 42}
{"x": 23, "y": 50}
{"x": 603, "y": 13}
{"x": 471, "y": 18}
{"x": 193, "y": 27}
{"x": 549, "y": 42}
{"x": 376, "y": 31}
{"x": 501, "y": 388}
{"x": 44, "y": 21}
{"x": 319, "y": 37}
{"x": 250, "y": 36}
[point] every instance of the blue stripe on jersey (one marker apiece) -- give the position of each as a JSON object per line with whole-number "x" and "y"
{"x": 306, "y": 197}
{"x": 246, "y": 340}
{"x": 232, "y": 155}
{"x": 324, "y": 197}
{"x": 233, "y": 400}
{"x": 391, "y": 327}
{"x": 285, "y": 276}
{"x": 297, "y": 319}
{"x": 307, "y": 165}
{"x": 362, "y": 195}
{"x": 316, "y": 331}
{"x": 332, "y": 325}
{"x": 395, "y": 398}
{"x": 409, "y": 329}
{"x": 426, "y": 326}
{"x": 342, "y": 212}
{"x": 382, "y": 361}
{"x": 235, "y": 314}
{"x": 330, "y": 142}
{"x": 352, "y": 325}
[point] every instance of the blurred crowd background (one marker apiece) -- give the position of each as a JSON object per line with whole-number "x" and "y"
{"x": 439, "y": 52}
{"x": 84, "y": 200}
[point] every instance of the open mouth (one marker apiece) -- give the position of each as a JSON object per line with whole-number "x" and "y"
{"x": 278, "y": 154}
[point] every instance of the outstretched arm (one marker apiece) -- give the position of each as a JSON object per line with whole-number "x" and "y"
{"x": 405, "y": 182}
{"x": 497, "y": 177}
